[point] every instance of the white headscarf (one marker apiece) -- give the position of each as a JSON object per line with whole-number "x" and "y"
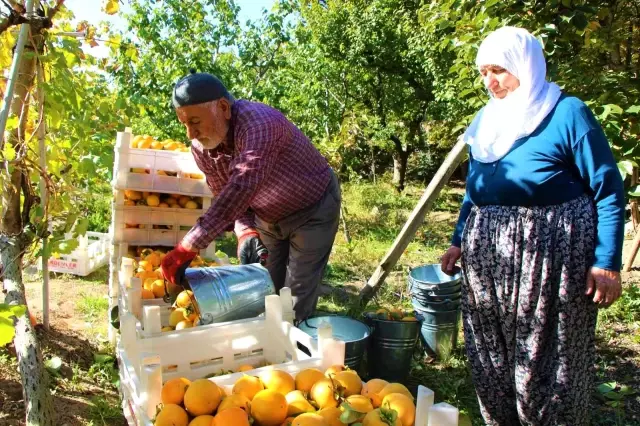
{"x": 501, "y": 122}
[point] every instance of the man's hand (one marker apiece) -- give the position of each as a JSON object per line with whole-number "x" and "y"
{"x": 251, "y": 249}
{"x": 175, "y": 264}
{"x": 449, "y": 259}
{"x": 606, "y": 285}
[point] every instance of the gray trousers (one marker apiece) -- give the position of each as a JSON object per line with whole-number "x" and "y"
{"x": 299, "y": 248}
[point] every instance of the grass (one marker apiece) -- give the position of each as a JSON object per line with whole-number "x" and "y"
{"x": 93, "y": 307}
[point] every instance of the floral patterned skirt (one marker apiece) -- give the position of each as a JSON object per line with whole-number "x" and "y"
{"x": 529, "y": 327}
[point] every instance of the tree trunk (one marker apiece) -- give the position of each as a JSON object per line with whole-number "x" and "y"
{"x": 13, "y": 243}
{"x": 400, "y": 159}
{"x": 35, "y": 379}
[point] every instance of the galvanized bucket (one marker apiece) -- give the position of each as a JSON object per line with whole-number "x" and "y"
{"x": 354, "y": 333}
{"x": 433, "y": 305}
{"x": 430, "y": 278}
{"x": 439, "y": 331}
{"x": 391, "y": 349}
{"x": 229, "y": 293}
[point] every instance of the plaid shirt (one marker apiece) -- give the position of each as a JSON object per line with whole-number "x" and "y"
{"x": 266, "y": 167}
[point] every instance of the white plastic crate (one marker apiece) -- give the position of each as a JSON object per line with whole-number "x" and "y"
{"x": 178, "y": 220}
{"x": 154, "y": 161}
{"x": 145, "y": 362}
{"x": 91, "y": 254}
{"x": 141, "y": 389}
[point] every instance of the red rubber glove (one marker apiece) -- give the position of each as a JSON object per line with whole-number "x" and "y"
{"x": 250, "y": 248}
{"x": 175, "y": 264}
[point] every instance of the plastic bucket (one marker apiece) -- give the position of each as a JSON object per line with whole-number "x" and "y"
{"x": 354, "y": 333}
{"x": 229, "y": 293}
{"x": 391, "y": 348}
{"x": 439, "y": 331}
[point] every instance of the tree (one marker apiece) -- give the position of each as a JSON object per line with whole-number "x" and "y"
{"x": 46, "y": 74}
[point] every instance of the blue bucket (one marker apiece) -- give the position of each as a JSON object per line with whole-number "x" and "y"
{"x": 354, "y": 333}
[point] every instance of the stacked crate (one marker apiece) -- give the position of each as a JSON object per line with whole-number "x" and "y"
{"x": 152, "y": 175}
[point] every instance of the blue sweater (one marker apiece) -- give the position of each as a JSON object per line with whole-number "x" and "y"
{"x": 567, "y": 156}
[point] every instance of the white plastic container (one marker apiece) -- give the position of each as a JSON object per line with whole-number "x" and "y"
{"x": 154, "y": 161}
{"x": 91, "y": 254}
{"x": 146, "y": 362}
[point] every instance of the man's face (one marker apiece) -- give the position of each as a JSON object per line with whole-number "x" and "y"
{"x": 207, "y": 123}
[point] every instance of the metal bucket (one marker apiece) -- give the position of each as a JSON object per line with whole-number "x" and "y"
{"x": 431, "y": 278}
{"x": 391, "y": 349}
{"x": 439, "y": 331}
{"x": 432, "y": 305}
{"x": 231, "y": 292}
{"x": 354, "y": 333}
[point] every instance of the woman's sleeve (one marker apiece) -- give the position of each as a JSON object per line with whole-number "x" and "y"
{"x": 599, "y": 171}
{"x": 456, "y": 240}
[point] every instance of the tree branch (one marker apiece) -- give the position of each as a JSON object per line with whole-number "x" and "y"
{"x": 52, "y": 12}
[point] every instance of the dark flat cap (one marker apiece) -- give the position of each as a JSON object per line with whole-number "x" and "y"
{"x": 198, "y": 88}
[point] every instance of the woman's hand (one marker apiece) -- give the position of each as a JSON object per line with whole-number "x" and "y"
{"x": 606, "y": 285}
{"x": 449, "y": 259}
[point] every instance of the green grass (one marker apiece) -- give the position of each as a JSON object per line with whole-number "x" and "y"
{"x": 93, "y": 308}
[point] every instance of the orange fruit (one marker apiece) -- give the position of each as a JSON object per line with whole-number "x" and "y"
{"x": 350, "y": 381}
{"x": 278, "y": 380}
{"x": 307, "y": 378}
{"x": 158, "y": 288}
{"x": 244, "y": 367}
{"x": 380, "y": 417}
{"x": 232, "y": 417}
{"x": 403, "y": 405}
{"x": 173, "y": 390}
{"x": 172, "y": 415}
{"x": 248, "y": 386}
{"x": 334, "y": 369}
{"x": 183, "y": 200}
{"x": 202, "y": 397}
{"x": 371, "y": 390}
{"x": 235, "y": 400}
{"x": 184, "y": 324}
{"x": 205, "y": 420}
{"x": 153, "y": 200}
{"x": 269, "y": 408}
{"x": 192, "y": 205}
{"x": 176, "y": 316}
{"x": 309, "y": 419}
{"x": 184, "y": 299}
{"x": 361, "y": 404}
{"x": 323, "y": 393}
{"x": 147, "y": 294}
{"x": 298, "y": 404}
{"x": 331, "y": 416}
{"x": 395, "y": 388}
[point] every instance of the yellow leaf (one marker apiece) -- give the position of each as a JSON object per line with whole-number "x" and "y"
{"x": 111, "y": 7}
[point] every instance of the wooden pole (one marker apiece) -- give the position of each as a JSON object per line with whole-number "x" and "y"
{"x": 416, "y": 218}
{"x": 632, "y": 254}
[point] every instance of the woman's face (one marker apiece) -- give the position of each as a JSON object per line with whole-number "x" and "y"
{"x": 499, "y": 81}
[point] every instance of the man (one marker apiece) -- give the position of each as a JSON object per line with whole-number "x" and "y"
{"x": 269, "y": 181}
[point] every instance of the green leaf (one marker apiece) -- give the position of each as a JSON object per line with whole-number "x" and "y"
{"x": 607, "y": 387}
{"x": 7, "y": 331}
{"x": 635, "y": 192}
{"x": 626, "y": 167}
{"x": 81, "y": 227}
{"x": 634, "y": 109}
{"x": 18, "y": 310}
{"x": 9, "y": 152}
{"x": 349, "y": 415}
{"x": 102, "y": 358}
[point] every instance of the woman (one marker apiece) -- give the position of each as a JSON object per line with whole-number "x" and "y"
{"x": 540, "y": 235}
